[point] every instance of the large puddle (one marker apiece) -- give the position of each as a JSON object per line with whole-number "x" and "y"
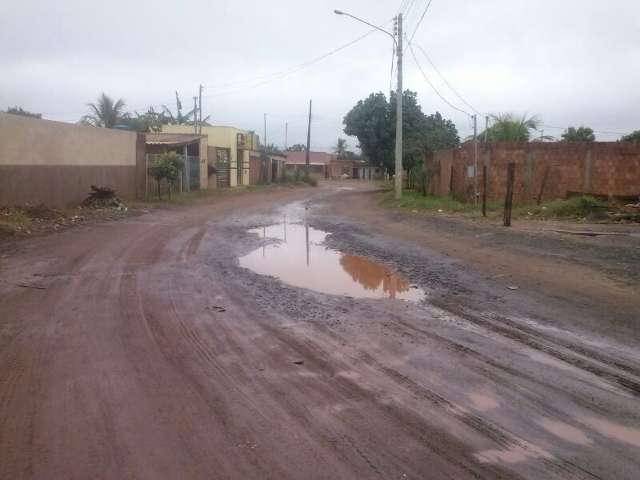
{"x": 299, "y": 257}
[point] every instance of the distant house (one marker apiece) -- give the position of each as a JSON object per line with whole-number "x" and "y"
{"x": 229, "y": 152}
{"x": 319, "y": 163}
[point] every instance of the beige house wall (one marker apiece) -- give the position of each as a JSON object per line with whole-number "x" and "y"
{"x": 56, "y": 163}
{"x": 31, "y": 141}
{"x": 222, "y": 137}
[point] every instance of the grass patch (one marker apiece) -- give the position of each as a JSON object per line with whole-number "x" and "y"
{"x": 575, "y": 207}
{"x": 412, "y": 200}
{"x": 14, "y": 220}
{"x": 583, "y": 207}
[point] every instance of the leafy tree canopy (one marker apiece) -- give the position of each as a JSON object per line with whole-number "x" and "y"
{"x": 25, "y": 113}
{"x": 632, "y": 137}
{"x": 580, "y": 134}
{"x": 298, "y": 147}
{"x": 272, "y": 149}
{"x": 341, "y": 149}
{"x": 372, "y": 122}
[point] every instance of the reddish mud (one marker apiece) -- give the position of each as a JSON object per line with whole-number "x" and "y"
{"x": 144, "y": 349}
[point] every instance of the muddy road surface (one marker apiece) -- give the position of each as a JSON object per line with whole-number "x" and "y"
{"x": 298, "y": 334}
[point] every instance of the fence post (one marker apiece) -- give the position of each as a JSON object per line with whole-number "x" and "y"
{"x": 484, "y": 190}
{"x": 545, "y": 176}
{"x": 508, "y": 201}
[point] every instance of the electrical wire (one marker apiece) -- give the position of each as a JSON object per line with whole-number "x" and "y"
{"x": 455, "y": 92}
{"x": 415, "y": 59}
{"x": 420, "y": 21}
{"x": 284, "y": 73}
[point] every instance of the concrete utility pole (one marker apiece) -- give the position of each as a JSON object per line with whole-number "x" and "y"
{"x": 286, "y": 134}
{"x": 265, "y": 132}
{"x": 398, "y": 178}
{"x": 397, "y": 40}
{"x": 306, "y": 156}
{"x": 486, "y": 129}
{"x": 200, "y": 108}
{"x": 195, "y": 115}
{"x": 475, "y": 159}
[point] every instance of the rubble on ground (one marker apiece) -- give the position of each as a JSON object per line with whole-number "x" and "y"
{"x": 103, "y": 197}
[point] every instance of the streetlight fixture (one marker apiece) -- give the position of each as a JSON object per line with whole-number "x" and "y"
{"x": 398, "y": 44}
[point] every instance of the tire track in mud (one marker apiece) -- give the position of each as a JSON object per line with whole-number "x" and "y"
{"x": 553, "y": 347}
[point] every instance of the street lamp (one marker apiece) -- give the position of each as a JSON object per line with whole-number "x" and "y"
{"x": 398, "y": 44}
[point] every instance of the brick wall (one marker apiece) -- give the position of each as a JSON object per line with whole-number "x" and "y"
{"x": 599, "y": 168}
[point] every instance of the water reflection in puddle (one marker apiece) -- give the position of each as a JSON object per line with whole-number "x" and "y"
{"x": 301, "y": 259}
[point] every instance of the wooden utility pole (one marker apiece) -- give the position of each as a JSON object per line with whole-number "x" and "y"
{"x": 484, "y": 190}
{"x": 200, "y": 112}
{"x": 398, "y": 177}
{"x": 475, "y": 159}
{"x": 508, "y": 200}
{"x": 306, "y": 157}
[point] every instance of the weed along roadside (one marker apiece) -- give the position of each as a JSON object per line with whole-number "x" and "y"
{"x": 574, "y": 209}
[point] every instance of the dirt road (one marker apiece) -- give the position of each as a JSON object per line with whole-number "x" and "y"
{"x": 143, "y": 349}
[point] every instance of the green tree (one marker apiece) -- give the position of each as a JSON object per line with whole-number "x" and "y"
{"x": 580, "y": 134}
{"x": 373, "y": 121}
{"x": 166, "y": 167}
{"x": 509, "y": 128}
{"x": 370, "y": 122}
{"x": 272, "y": 149}
{"x": 105, "y": 113}
{"x": 298, "y": 147}
{"x": 149, "y": 121}
{"x": 632, "y": 137}
{"x": 20, "y": 111}
{"x": 341, "y": 148}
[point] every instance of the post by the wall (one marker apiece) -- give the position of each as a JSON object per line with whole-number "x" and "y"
{"x": 508, "y": 201}
{"x": 451, "y": 182}
{"x": 587, "y": 184}
{"x": 484, "y": 190}
{"x": 545, "y": 177}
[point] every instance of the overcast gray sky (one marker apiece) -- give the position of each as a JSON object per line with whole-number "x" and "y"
{"x": 571, "y": 62}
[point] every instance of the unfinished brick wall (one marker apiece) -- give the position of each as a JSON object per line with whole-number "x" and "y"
{"x": 598, "y": 168}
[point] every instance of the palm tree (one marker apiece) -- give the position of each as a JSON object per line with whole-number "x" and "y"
{"x": 509, "y": 128}
{"x": 105, "y": 113}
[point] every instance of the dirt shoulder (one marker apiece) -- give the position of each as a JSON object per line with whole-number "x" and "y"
{"x": 602, "y": 271}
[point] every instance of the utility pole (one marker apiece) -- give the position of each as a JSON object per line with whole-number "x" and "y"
{"x": 286, "y": 134}
{"x": 486, "y": 129}
{"x": 475, "y": 158}
{"x": 200, "y": 119}
{"x": 398, "y": 178}
{"x": 306, "y": 157}
{"x": 195, "y": 115}
{"x": 265, "y": 132}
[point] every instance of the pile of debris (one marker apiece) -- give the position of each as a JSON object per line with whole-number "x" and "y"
{"x": 103, "y": 197}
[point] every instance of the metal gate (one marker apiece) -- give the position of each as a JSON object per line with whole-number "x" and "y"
{"x": 194, "y": 173}
{"x": 222, "y": 167}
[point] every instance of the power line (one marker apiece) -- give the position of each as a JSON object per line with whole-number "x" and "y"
{"x": 420, "y": 21}
{"x": 284, "y": 73}
{"x": 415, "y": 59}
{"x": 445, "y": 80}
